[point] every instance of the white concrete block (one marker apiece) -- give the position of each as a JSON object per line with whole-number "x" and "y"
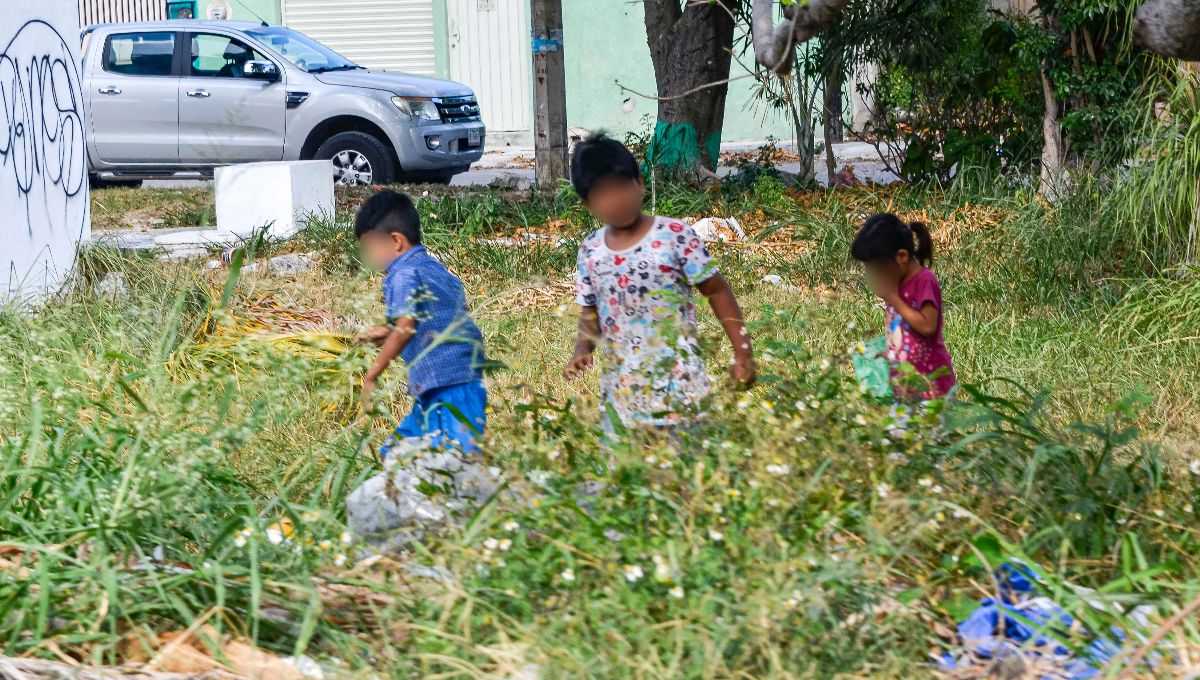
{"x": 280, "y": 195}
{"x": 44, "y": 209}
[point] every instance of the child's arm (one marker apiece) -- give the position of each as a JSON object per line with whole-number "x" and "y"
{"x": 585, "y": 343}
{"x": 725, "y": 306}
{"x": 923, "y": 320}
{"x": 393, "y": 345}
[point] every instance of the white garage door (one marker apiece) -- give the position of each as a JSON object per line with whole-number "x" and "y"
{"x": 489, "y": 51}
{"x": 386, "y": 35}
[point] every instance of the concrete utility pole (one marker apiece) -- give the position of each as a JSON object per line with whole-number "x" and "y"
{"x": 550, "y": 141}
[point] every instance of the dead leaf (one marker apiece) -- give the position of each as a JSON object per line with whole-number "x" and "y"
{"x": 258, "y": 663}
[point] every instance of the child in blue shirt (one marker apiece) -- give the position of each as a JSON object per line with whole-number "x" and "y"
{"x": 428, "y": 326}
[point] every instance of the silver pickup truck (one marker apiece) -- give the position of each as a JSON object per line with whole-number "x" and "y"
{"x": 175, "y": 99}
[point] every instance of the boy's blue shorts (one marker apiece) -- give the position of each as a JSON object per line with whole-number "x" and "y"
{"x": 430, "y": 416}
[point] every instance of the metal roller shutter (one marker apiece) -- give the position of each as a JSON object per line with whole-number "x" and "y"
{"x": 120, "y": 11}
{"x": 387, "y": 35}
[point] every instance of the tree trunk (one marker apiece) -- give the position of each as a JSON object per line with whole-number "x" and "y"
{"x": 832, "y": 115}
{"x": 1052, "y": 152}
{"x": 691, "y": 49}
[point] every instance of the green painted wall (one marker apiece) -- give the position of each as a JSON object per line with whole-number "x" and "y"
{"x": 252, "y": 10}
{"x": 605, "y": 42}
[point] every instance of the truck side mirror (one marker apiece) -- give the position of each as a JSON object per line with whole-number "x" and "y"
{"x": 261, "y": 70}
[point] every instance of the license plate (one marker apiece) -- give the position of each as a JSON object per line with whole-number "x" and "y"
{"x": 474, "y": 137}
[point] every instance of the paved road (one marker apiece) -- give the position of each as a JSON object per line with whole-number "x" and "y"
{"x": 514, "y": 160}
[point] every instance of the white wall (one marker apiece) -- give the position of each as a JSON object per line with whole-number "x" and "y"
{"x": 44, "y": 210}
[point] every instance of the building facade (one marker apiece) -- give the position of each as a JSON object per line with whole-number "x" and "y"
{"x": 484, "y": 44}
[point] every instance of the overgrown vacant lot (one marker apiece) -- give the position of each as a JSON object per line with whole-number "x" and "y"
{"x": 151, "y": 441}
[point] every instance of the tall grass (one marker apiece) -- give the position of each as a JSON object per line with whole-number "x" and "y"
{"x": 801, "y": 531}
{"x": 1157, "y": 203}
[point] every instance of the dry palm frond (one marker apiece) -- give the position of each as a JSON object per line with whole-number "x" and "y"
{"x": 526, "y": 298}
{"x": 264, "y": 325}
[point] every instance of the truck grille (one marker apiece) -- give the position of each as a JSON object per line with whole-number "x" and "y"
{"x": 458, "y": 109}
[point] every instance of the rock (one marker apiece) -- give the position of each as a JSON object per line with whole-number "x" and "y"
{"x": 789, "y": 179}
{"x": 213, "y": 264}
{"x": 306, "y": 665}
{"x": 748, "y": 173}
{"x": 719, "y": 229}
{"x": 113, "y": 285}
{"x": 393, "y": 508}
{"x": 511, "y": 182}
{"x": 250, "y": 268}
{"x": 289, "y": 265}
{"x": 182, "y": 253}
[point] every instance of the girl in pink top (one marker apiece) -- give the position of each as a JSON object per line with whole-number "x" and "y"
{"x": 897, "y": 256}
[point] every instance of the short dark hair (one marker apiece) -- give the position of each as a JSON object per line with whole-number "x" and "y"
{"x": 883, "y": 235}
{"x": 597, "y": 157}
{"x": 389, "y": 211}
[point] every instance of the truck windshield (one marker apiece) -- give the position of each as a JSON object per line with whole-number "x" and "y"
{"x": 301, "y": 50}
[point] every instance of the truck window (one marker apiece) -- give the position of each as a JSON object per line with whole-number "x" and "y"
{"x": 220, "y": 56}
{"x": 140, "y": 54}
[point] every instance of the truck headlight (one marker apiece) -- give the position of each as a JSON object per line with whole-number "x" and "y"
{"x": 418, "y": 107}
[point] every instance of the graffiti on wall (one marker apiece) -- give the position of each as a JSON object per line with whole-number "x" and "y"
{"x": 43, "y": 161}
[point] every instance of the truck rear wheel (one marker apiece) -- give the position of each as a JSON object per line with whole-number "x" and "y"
{"x": 358, "y": 158}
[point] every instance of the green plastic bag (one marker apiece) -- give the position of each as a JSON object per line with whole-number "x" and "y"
{"x": 871, "y": 367}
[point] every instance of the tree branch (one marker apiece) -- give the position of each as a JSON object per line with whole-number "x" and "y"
{"x": 773, "y": 44}
{"x": 1170, "y": 28}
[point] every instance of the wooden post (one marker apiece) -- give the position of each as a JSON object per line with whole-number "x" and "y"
{"x": 550, "y": 141}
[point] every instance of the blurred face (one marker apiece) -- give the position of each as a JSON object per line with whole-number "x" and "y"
{"x": 887, "y": 271}
{"x": 616, "y": 201}
{"x": 379, "y": 248}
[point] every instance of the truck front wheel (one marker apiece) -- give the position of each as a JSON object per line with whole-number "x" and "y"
{"x": 358, "y": 158}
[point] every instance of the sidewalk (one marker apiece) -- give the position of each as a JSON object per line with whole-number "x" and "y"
{"x": 519, "y": 161}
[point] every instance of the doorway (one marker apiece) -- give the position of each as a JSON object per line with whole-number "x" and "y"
{"x": 489, "y": 51}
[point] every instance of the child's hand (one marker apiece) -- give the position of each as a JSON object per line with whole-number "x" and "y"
{"x": 576, "y": 367}
{"x": 743, "y": 371}
{"x": 368, "y": 392}
{"x": 374, "y": 335}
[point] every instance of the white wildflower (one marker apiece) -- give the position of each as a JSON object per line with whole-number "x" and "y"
{"x": 339, "y": 560}
{"x": 632, "y": 572}
{"x": 490, "y": 543}
{"x": 715, "y": 535}
{"x": 505, "y": 544}
{"x": 676, "y": 593}
{"x": 568, "y": 574}
{"x": 510, "y": 525}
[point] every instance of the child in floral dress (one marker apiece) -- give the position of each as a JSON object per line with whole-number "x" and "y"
{"x": 636, "y": 277}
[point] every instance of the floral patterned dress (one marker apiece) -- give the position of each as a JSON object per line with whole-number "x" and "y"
{"x": 643, "y": 296}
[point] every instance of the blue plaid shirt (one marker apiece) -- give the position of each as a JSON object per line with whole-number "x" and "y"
{"x": 448, "y": 347}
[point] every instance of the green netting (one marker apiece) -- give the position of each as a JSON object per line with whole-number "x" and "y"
{"x": 677, "y": 145}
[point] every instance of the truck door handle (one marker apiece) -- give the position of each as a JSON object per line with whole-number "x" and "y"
{"x": 201, "y": 94}
{"x": 110, "y": 90}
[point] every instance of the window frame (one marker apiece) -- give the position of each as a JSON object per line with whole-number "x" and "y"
{"x": 176, "y": 56}
{"x": 185, "y": 51}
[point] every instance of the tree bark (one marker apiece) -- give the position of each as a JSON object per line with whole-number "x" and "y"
{"x": 1052, "y": 153}
{"x": 773, "y": 43}
{"x": 832, "y": 115}
{"x": 690, "y": 48}
{"x": 1170, "y": 28}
